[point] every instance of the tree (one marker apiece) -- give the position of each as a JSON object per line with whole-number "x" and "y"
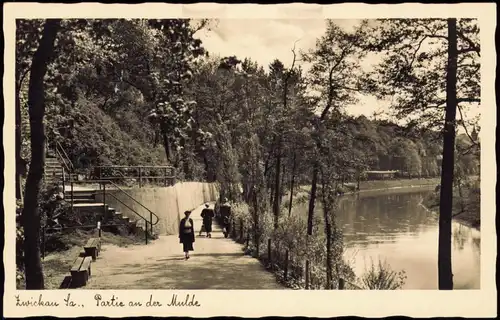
{"x": 334, "y": 61}
{"x": 430, "y": 63}
{"x": 27, "y": 37}
{"x": 407, "y": 152}
{"x": 446, "y": 196}
{"x": 36, "y": 104}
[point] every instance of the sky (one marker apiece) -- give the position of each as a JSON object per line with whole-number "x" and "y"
{"x": 264, "y": 40}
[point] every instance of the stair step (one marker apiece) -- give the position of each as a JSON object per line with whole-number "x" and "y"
{"x": 75, "y": 201}
{"x": 80, "y": 195}
{"x": 89, "y": 205}
{"x": 52, "y": 166}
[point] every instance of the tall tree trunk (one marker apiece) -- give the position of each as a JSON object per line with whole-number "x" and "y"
{"x": 292, "y": 182}
{"x": 310, "y": 215}
{"x": 328, "y": 234}
{"x": 36, "y": 104}
{"x": 446, "y": 197}
{"x": 256, "y": 227}
{"x": 166, "y": 146}
{"x": 18, "y": 145}
{"x": 277, "y": 191}
{"x": 282, "y": 183}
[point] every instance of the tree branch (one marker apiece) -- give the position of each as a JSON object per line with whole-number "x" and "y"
{"x": 416, "y": 51}
{"x": 22, "y": 79}
{"x": 464, "y": 126}
{"x": 460, "y": 100}
{"x": 472, "y": 46}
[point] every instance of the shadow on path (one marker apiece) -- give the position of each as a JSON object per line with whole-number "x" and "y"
{"x": 216, "y": 263}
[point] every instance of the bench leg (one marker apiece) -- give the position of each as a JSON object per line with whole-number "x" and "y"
{"x": 79, "y": 279}
{"x": 92, "y": 252}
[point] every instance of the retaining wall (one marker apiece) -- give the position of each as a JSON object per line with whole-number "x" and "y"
{"x": 168, "y": 203}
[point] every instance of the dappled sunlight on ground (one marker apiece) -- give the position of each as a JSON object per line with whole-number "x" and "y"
{"x": 216, "y": 263}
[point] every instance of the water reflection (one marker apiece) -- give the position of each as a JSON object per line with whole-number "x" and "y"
{"x": 395, "y": 227}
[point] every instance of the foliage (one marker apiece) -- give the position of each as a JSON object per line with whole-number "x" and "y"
{"x": 413, "y": 69}
{"x": 382, "y": 277}
{"x": 136, "y": 91}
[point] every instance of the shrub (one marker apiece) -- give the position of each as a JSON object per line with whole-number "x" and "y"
{"x": 382, "y": 277}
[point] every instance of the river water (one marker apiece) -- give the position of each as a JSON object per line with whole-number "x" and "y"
{"x": 392, "y": 225}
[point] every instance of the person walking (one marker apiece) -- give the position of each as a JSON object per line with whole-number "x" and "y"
{"x": 225, "y": 212}
{"x": 207, "y": 214}
{"x": 186, "y": 234}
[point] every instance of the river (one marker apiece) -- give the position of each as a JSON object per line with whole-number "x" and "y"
{"x": 392, "y": 225}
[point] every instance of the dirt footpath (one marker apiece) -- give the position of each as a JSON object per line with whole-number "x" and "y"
{"x": 216, "y": 263}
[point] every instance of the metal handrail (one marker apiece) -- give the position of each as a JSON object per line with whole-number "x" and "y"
{"x": 159, "y": 167}
{"x": 64, "y": 157}
{"x": 140, "y": 172}
{"x": 126, "y": 205}
{"x": 132, "y": 198}
{"x": 148, "y": 222}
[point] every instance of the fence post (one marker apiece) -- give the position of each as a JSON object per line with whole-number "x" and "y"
{"x": 146, "y": 232}
{"x": 63, "y": 178}
{"x": 99, "y": 228}
{"x": 151, "y": 221}
{"x": 43, "y": 242}
{"x": 71, "y": 181}
{"x": 241, "y": 229}
{"x": 285, "y": 271}
{"x": 341, "y": 284}
{"x": 233, "y": 229}
{"x": 269, "y": 258}
{"x": 307, "y": 274}
{"x": 165, "y": 176}
{"x": 140, "y": 177}
{"x": 104, "y": 199}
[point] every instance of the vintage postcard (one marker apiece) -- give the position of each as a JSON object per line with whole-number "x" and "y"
{"x": 249, "y": 160}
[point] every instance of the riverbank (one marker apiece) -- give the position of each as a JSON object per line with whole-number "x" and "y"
{"x": 375, "y": 185}
{"x": 397, "y": 184}
{"x": 466, "y": 205}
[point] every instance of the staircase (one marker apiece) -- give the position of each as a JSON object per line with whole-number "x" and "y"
{"x": 53, "y": 170}
{"x": 84, "y": 200}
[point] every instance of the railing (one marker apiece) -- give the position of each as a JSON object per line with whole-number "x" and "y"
{"x": 63, "y": 157}
{"x": 68, "y": 167}
{"x": 140, "y": 173}
{"x": 150, "y": 221}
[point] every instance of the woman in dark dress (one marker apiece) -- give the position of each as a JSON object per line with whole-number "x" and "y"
{"x": 186, "y": 234}
{"x": 207, "y": 214}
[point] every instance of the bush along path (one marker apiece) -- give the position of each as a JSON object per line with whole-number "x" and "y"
{"x": 216, "y": 263}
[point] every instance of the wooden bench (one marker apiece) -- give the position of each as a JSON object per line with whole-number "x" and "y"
{"x": 80, "y": 271}
{"x": 66, "y": 283}
{"x": 92, "y": 248}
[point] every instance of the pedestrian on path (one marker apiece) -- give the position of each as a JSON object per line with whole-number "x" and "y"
{"x": 207, "y": 214}
{"x": 225, "y": 210}
{"x": 186, "y": 234}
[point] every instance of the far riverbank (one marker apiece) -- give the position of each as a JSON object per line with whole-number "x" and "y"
{"x": 379, "y": 185}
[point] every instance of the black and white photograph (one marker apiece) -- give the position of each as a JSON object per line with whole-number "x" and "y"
{"x": 202, "y": 153}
